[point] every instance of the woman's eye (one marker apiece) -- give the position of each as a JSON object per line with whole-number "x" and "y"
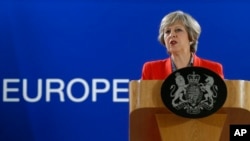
{"x": 178, "y": 30}
{"x": 167, "y": 31}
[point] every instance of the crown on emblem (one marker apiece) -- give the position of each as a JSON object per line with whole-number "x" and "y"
{"x": 193, "y": 78}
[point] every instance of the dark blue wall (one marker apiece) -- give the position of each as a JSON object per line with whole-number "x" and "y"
{"x": 81, "y": 54}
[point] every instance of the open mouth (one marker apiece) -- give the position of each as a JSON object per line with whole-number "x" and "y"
{"x": 173, "y": 42}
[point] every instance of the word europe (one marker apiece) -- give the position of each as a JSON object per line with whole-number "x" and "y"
{"x": 76, "y": 90}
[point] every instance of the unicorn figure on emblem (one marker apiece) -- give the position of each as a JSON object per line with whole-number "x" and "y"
{"x": 209, "y": 88}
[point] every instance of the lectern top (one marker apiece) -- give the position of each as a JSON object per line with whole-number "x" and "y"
{"x": 147, "y": 94}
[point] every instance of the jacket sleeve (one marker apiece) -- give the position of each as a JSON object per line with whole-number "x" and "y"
{"x": 214, "y": 66}
{"x": 146, "y": 71}
{"x": 220, "y": 70}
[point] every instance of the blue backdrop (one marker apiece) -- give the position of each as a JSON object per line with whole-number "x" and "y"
{"x": 65, "y": 65}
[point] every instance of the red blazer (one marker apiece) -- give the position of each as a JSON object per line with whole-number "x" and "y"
{"x": 161, "y": 69}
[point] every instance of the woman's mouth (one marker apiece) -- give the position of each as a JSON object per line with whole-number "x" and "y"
{"x": 173, "y": 42}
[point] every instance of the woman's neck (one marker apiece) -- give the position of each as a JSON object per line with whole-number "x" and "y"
{"x": 181, "y": 60}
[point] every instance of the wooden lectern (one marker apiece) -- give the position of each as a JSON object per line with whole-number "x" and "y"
{"x": 150, "y": 120}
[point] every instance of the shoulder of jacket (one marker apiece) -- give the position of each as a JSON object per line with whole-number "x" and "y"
{"x": 160, "y": 61}
{"x": 209, "y": 61}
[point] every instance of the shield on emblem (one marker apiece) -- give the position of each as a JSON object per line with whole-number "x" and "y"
{"x": 193, "y": 92}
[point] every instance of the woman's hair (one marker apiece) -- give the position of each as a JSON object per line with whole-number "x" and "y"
{"x": 192, "y": 26}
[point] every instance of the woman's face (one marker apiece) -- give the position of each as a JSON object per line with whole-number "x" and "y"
{"x": 176, "y": 38}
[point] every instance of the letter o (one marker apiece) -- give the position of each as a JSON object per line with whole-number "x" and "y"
{"x": 85, "y": 94}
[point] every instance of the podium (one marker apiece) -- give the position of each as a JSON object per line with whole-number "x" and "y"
{"x": 150, "y": 120}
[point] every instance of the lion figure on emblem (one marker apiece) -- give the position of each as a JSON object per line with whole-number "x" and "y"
{"x": 180, "y": 92}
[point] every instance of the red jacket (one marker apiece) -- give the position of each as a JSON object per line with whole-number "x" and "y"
{"x": 161, "y": 69}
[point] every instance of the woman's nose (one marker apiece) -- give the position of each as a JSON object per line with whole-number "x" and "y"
{"x": 172, "y": 34}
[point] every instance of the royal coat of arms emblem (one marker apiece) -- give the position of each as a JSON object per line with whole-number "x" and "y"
{"x": 194, "y": 92}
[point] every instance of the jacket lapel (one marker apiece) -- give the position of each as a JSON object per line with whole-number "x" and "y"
{"x": 196, "y": 60}
{"x": 168, "y": 67}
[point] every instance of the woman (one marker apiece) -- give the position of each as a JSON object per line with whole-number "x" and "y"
{"x": 179, "y": 33}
